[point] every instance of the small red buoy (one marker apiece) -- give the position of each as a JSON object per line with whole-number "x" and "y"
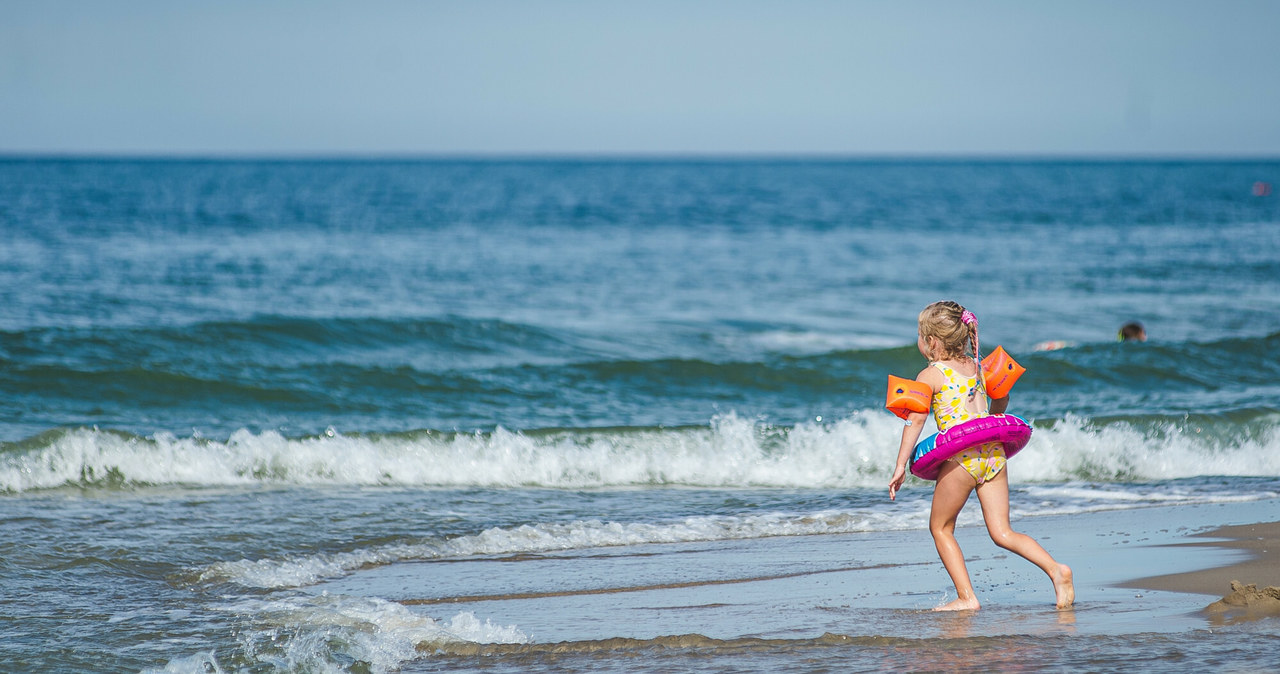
{"x": 1261, "y": 189}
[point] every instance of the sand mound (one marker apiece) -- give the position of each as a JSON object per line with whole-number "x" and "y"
{"x": 1247, "y": 602}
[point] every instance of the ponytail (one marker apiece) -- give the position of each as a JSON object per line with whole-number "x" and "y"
{"x": 971, "y": 321}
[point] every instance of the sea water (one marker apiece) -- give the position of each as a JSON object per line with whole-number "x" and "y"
{"x": 227, "y": 382}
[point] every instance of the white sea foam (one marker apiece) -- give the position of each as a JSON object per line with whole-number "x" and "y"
{"x": 909, "y": 513}
{"x": 333, "y": 632}
{"x": 732, "y": 451}
{"x": 200, "y": 663}
{"x": 1078, "y": 449}
{"x": 549, "y": 537}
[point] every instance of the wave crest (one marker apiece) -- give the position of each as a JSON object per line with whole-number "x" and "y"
{"x": 731, "y": 452}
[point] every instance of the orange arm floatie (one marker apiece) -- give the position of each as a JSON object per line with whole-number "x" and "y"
{"x": 906, "y": 396}
{"x": 999, "y": 372}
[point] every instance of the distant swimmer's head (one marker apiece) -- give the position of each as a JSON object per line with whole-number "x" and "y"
{"x": 947, "y": 330}
{"x": 1133, "y": 332}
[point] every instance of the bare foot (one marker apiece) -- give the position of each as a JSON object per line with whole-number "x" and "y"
{"x": 1064, "y": 587}
{"x": 970, "y": 604}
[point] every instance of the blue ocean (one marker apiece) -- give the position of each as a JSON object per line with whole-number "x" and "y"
{"x": 226, "y": 384}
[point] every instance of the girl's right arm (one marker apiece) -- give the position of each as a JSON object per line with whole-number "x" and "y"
{"x": 911, "y": 432}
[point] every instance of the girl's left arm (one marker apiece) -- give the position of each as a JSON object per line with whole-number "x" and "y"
{"x": 999, "y": 405}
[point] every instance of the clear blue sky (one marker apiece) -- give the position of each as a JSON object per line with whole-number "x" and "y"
{"x": 1140, "y": 77}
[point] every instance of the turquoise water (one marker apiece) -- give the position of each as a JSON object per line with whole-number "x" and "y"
{"x": 226, "y": 381}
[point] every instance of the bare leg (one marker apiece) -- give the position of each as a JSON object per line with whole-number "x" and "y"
{"x": 994, "y": 497}
{"x": 949, "y": 496}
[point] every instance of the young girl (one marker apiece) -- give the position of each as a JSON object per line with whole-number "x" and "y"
{"x": 946, "y": 331}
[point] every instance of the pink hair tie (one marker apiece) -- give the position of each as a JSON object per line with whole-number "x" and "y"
{"x": 967, "y": 317}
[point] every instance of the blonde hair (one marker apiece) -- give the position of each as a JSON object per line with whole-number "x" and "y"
{"x": 945, "y": 321}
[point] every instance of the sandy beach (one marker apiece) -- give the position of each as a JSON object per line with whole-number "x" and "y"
{"x": 1249, "y": 588}
{"x": 1261, "y": 566}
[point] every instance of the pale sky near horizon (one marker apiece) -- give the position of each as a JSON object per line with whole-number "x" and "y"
{"x": 915, "y": 77}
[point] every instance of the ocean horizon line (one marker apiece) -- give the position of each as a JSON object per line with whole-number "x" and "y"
{"x": 660, "y": 157}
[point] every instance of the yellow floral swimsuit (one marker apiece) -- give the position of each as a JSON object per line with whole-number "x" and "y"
{"x": 962, "y": 399}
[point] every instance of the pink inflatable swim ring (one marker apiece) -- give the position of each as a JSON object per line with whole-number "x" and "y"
{"x": 1012, "y": 431}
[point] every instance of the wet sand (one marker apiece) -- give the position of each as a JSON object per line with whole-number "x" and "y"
{"x": 855, "y": 586}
